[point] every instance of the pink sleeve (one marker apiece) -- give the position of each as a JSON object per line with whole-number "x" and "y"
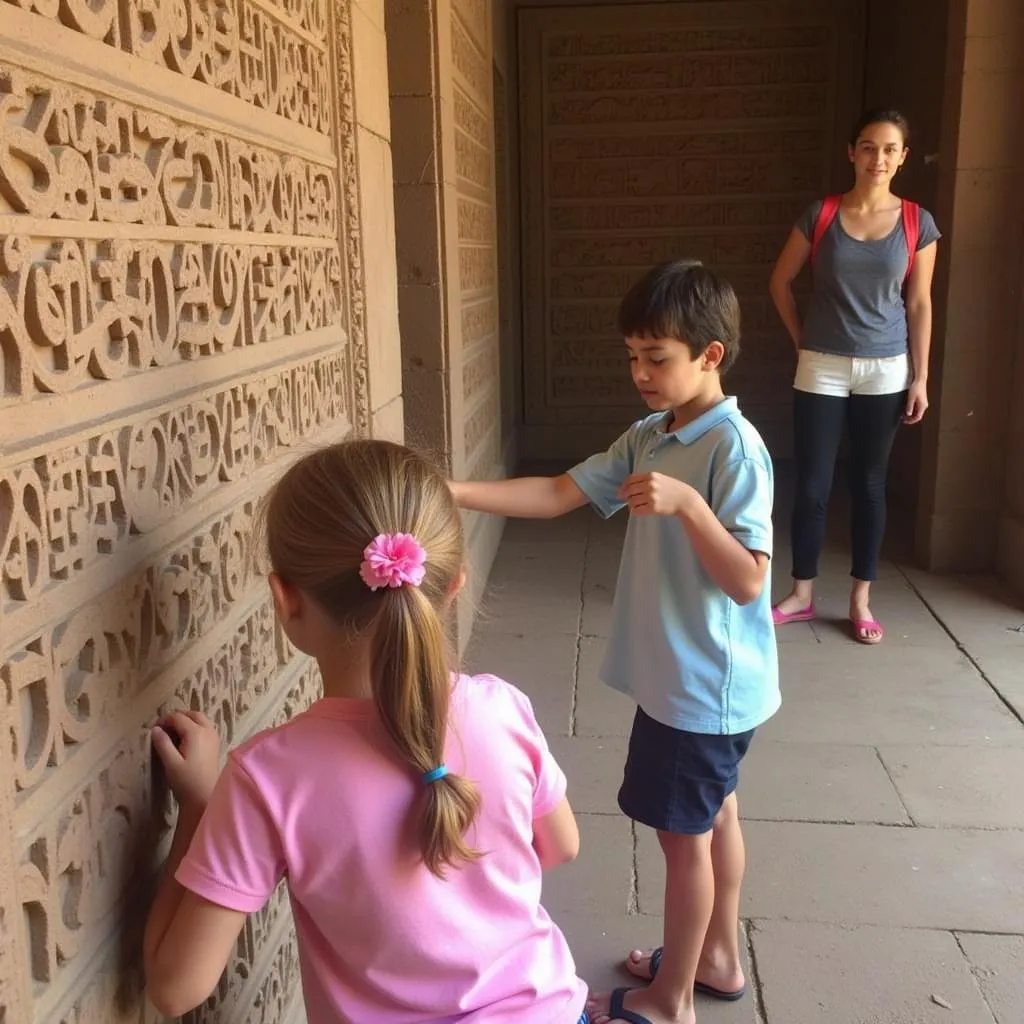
{"x": 236, "y": 859}
{"x": 549, "y": 779}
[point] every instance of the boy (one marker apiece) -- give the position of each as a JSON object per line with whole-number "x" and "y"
{"x": 692, "y": 638}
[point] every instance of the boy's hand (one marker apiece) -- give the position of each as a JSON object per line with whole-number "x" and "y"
{"x": 654, "y": 494}
{"x": 189, "y": 747}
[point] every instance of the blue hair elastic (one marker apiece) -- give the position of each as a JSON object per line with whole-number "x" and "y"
{"x": 435, "y": 775}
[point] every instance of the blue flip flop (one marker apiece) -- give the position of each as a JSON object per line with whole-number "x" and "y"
{"x": 617, "y": 1009}
{"x": 699, "y": 986}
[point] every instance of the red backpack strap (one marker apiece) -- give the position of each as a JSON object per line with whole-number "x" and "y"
{"x": 827, "y": 214}
{"x": 912, "y": 231}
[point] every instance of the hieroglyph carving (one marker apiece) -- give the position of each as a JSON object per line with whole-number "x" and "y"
{"x": 76, "y": 504}
{"x": 262, "y": 56}
{"x": 79, "y": 156}
{"x": 77, "y": 310}
{"x": 212, "y": 255}
{"x": 690, "y": 129}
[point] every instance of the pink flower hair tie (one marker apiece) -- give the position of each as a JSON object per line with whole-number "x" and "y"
{"x": 392, "y": 560}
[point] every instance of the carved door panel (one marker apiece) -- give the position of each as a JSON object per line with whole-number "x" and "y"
{"x": 651, "y": 132}
{"x": 180, "y": 307}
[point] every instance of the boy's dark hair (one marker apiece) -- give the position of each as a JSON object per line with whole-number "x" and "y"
{"x": 686, "y": 301}
{"x": 881, "y": 115}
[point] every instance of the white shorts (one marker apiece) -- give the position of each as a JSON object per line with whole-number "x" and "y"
{"x": 821, "y": 373}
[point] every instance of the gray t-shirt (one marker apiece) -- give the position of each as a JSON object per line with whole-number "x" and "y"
{"x": 856, "y": 308}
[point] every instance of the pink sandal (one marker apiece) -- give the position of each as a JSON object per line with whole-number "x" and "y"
{"x": 861, "y": 629}
{"x": 785, "y": 618}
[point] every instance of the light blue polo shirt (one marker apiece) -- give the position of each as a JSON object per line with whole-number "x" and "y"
{"x": 688, "y": 654}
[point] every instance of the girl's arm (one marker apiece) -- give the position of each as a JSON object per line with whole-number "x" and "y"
{"x": 919, "y": 329}
{"x": 789, "y": 264}
{"x": 528, "y": 497}
{"x": 188, "y": 940}
{"x": 556, "y": 837}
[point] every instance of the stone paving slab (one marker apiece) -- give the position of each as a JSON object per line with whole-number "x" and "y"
{"x": 542, "y": 665}
{"x": 870, "y": 874}
{"x": 813, "y": 972}
{"x": 818, "y": 782}
{"x": 892, "y": 696}
{"x": 593, "y": 767}
{"x": 909, "y": 742}
{"x": 600, "y": 881}
{"x": 600, "y": 710}
{"x": 534, "y": 588}
{"x": 980, "y": 612}
{"x": 1003, "y": 667}
{"x": 998, "y": 962}
{"x": 569, "y": 530}
{"x": 599, "y": 947}
{"x": 957, "y": 787}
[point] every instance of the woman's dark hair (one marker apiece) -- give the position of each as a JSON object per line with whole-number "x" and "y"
{"x": 686, "y": 301}
{"x": 881, "y": 115}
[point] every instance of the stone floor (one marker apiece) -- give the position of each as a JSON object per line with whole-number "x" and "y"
{"x": 883, "y": 806}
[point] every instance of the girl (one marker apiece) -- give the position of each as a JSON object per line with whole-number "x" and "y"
{"x": 411, "y": 811}
{"x": 854, "y": 370}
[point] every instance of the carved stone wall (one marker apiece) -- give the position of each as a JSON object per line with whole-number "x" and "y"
{"x": 181, "y": 309}
{"x": 440, "y": 56}
{"x": 477, "y": 269}
{"x": 656, "y": 131}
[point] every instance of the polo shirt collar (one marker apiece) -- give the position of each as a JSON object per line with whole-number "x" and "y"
{"x": 695, "y": 430}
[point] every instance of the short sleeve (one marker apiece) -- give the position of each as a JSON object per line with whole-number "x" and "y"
{"x": 601, "y": 476}
{"x": 236, "y": 858}
{"x": 928, "y": 230}
{"x": 806, "y": 221}
{"x": 741, "y": 498}
{"x": 549, "y": 780}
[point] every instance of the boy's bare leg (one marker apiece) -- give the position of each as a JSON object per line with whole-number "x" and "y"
{"x": 689, "y": 904}
{"x": 720, "y": 964}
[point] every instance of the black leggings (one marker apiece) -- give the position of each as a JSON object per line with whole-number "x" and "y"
{"x": 818, "y": 421}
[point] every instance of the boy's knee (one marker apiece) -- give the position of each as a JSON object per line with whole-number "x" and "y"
{"x": 682, "y": 848}
{"x": 728, "y": 813}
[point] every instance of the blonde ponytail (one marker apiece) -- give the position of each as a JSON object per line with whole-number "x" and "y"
{"x": 412, "y": 692}
{"x": 320, "y": 519}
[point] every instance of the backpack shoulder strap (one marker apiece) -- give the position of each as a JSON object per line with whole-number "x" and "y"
{"x": 827, "y": 214}
{"x": 912, "y": 231}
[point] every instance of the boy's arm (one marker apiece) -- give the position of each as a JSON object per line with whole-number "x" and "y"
{"x": 735, "y": 569}
{"x": 732, "y": 536}
{"x": 528, "y": 497}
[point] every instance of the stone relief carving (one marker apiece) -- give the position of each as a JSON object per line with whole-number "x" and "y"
{"x": 75, "y": 505}
{"x": 264, "y": 57}
{"x": 79, "y": 156}
{"x": 134, "y": 246}
{"x": 702, "y": 139}
{"x": 78, "y": 310}
{"x": 476, "y": 219}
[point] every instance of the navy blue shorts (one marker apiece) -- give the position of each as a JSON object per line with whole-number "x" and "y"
{"x": 677, "y": 781}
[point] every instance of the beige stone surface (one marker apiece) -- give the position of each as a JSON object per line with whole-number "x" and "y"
{"x": 998, "y": 963}
{"x": 658, "y": 143}
{"x": 881, "y": 806}
{"x": 196, "y": 251}
{"x": 889, "y": 975}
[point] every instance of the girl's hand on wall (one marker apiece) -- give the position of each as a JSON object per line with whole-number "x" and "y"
{"x": 917, "y": 403}
{"x": 189, "y": 748}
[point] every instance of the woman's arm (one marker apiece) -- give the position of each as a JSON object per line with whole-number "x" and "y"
{"x": 919, "y": 330}
{"x": 794, "y": 255}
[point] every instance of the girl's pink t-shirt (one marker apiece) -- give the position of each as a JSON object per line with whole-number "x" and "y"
{"x": 325, "y": 803}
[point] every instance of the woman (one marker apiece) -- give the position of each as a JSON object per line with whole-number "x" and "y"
{"x": 863, "y": 354}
